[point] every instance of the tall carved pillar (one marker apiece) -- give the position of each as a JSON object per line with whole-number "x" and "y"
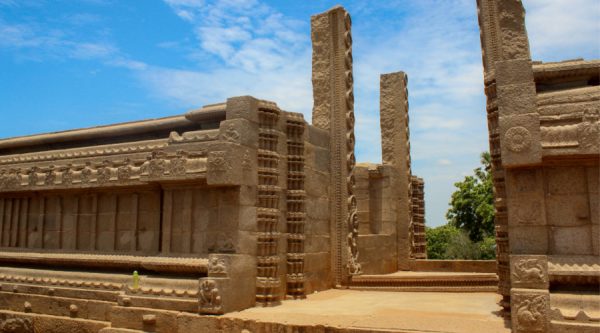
{"x": 513, "y": 123}
{"x": 334, "y": 111}
{"x": 395, "y": 151}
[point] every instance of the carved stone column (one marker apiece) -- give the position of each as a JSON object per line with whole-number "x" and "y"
{"x": 513, "y": 121}
{"x": 395, "y": 151}
{"x": 334, "y": 111}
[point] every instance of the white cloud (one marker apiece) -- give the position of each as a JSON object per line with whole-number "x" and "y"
{"x": 560, "y": 30}
{"x": 244, "y": 34}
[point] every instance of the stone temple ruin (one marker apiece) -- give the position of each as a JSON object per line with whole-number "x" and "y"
{"x": 242, "y": 204}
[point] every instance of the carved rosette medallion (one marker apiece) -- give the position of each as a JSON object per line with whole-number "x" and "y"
{"x": 518, "y": 139}
{"x": 210, "y": 297}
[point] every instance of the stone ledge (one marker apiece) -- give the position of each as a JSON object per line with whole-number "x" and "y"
{"x": 130, "y": 262}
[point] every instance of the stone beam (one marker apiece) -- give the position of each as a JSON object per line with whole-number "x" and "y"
{"x": 334, "y": 111}
{"x": 395, "y": 150}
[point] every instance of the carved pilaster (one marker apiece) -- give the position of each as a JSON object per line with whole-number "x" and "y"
{"x": 334, "y": 110}
{"x": 504, "y": 39}
{"x": 296, "y": 206}
{"x": 395, "y": 147}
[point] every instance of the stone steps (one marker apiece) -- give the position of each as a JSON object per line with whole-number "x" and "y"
{"x": 427, "y": 282}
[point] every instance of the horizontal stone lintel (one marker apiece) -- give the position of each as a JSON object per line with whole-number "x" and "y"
{"x": 109, "y": 261}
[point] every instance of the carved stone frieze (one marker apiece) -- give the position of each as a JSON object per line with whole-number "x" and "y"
{"x": 158, "y": 165}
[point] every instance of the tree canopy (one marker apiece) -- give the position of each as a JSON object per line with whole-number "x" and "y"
{"x": 469, "y": 233}
{"x": 472, "y": 204}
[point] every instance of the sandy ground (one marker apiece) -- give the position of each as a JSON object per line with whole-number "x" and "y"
{"x": 399, "y": 311}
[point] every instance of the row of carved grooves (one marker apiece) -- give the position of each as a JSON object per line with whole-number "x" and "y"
{"x": 269, "y": 192}
{"x": 417, "y": 231}
{"x": 408, "y": 165}
{"x": 352, "y": 222}
{"x": 498, "y": 177}
{"x": 296, "y": 206}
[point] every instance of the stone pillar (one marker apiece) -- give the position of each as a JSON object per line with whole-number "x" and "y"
{"x": 395, "y": 151}
{"x": 513, "y": 121}
{"x": 334, "y": 111}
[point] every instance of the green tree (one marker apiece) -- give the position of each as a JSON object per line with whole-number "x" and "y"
{"x": 472, "y": 204}
{"x": 438, "y": 239}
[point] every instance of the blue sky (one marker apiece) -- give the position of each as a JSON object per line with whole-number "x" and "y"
{"x": 67, "y": 64}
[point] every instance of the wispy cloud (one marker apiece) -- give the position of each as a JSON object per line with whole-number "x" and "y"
{"x": 560, "y": 30}
{"x": 244, "y": 34}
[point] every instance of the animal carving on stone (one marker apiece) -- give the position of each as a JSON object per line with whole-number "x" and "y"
{"x": 210, "y": 298}
{"x": 531, "y": 314}
{"x": 217, "y": 266}
{"x": 529, "y": 270}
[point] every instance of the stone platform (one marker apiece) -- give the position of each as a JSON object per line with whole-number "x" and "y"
{"x": 428, "y": 282}
{"x": 377, "y": 311}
